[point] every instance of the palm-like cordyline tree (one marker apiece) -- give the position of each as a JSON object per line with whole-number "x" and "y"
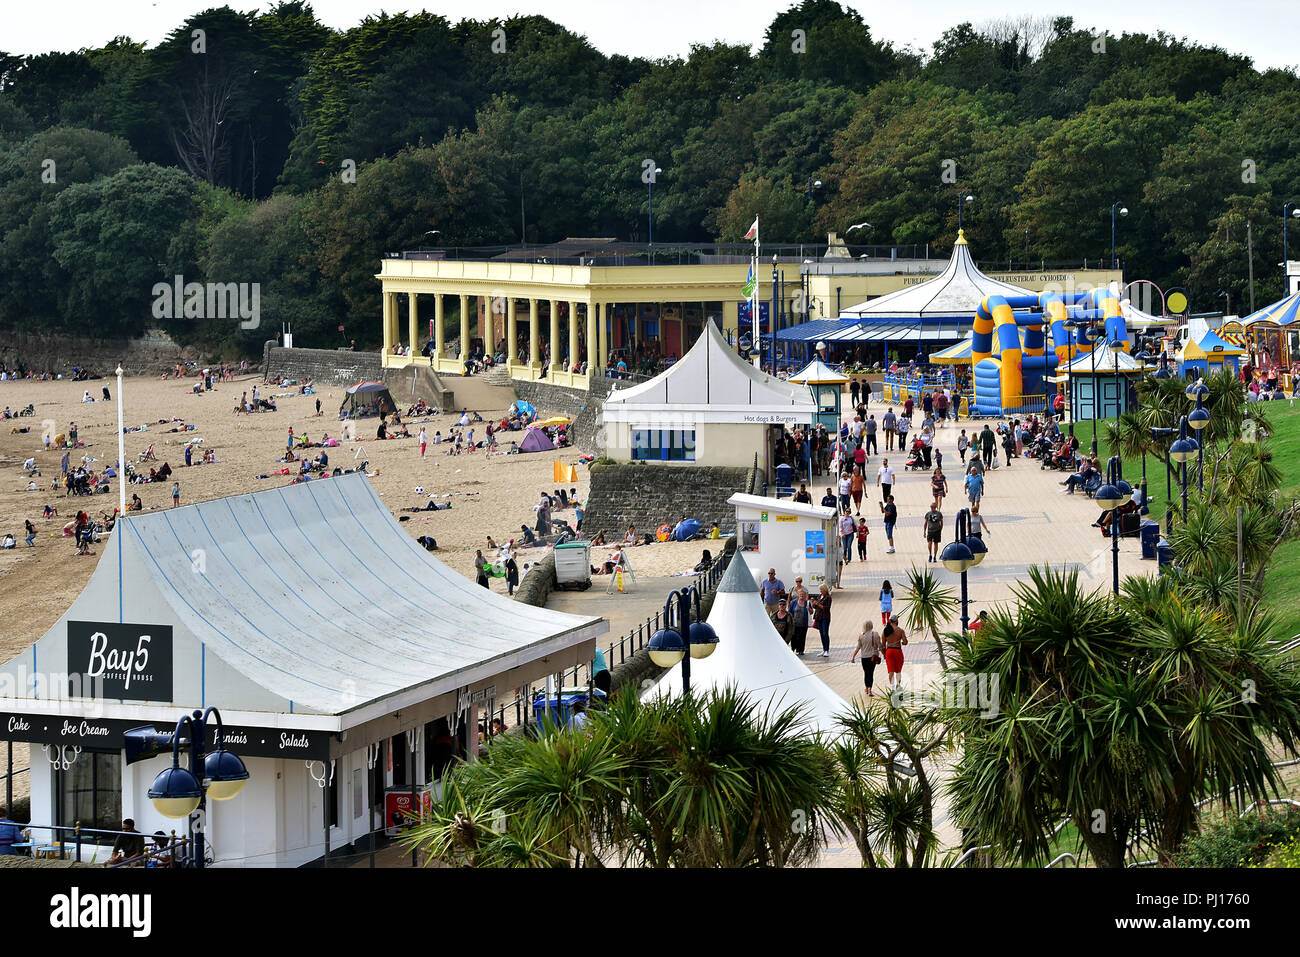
{"x": 874, "y": 795}
{"x": 705, "y": 781}
{"x": 1115, "y": 715}
{"x": 930, "y": 606}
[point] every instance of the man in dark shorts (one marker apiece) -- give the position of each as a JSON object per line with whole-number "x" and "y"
{"x": 933, "y": 525}
{"x": 890, "y": 512}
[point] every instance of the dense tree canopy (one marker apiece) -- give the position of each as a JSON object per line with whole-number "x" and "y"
{"x": 361, "y": 141}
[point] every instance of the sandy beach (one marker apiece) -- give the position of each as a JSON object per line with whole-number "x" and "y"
{"x": 489, "y": 496}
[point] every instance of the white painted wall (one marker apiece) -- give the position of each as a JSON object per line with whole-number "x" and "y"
{"x": 781, "y": 546}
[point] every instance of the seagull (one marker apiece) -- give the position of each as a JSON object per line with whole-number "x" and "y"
{"x": 857, "y": 226}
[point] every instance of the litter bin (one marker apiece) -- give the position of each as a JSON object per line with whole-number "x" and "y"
{"x": 1150, "y": 533}
{"x": 568, "y": 697}
{"x": 1164, "y": 553}
{"x": 785, "y": 476}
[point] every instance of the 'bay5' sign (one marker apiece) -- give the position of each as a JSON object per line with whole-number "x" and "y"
{"x": 122, "y": 660}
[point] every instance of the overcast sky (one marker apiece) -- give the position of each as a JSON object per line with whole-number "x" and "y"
{"x": 1265, "y": 30}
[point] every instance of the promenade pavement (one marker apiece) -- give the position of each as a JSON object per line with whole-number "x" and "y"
{"x": 1031, "y": 521}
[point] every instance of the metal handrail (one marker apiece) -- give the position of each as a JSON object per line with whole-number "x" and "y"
{"x": 1260, "y": 804}
{"x": 636, "y": 639}
{"x": 1061, "y": 857}
{"x": 974, "y": 850}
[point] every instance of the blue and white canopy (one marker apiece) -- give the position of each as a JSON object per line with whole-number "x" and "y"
{"x": 1283, "y": 312}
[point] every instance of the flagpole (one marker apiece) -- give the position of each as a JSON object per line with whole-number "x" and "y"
{"x": 753, "y": 304}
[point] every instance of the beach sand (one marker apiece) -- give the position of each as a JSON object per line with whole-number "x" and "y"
{"x": 489, "y": 496}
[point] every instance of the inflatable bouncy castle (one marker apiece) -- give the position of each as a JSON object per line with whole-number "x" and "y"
{"x": 1010, "y": 357}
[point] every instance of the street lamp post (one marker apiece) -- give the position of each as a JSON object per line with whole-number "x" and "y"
{"x": 1123, "y": 211}
{"x": 961, "y": 201}
{"x": 1110, "y": 497}
{"x": 650, "y": 185}
{"x": 960, "y": 554}
{"x": 1198, "y": 420}
{"x": 1288, "y": 209}
{"x": 1090, "y": 326}
{"x": 1144, "y": 357}
{"x": 121, "y": 450}
{"x": 667, "y": 646}
{"x": 178, "y": 792}
{"x": 812, "y": 185}
{"x": 1181, "y": 451}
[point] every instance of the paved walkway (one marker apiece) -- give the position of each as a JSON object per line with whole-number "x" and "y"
{"x": 1031, "y": 520}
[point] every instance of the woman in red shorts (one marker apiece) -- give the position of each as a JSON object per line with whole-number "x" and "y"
{"x": 894, "y": 638}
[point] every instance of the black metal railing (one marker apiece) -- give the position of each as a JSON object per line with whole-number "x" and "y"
{"x": 77, "y": 838}
{"x": 618, "y": 253}
{"x": 616, "y": 653}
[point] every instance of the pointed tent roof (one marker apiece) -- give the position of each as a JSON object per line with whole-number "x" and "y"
{"x": 1283, "y": 312}
{"x": 310, "y": 598}
{"x": 1210, "y": 343}
{"x": 956, "y": 292}
{"x": 818, "y": 373}
{"x": 752, "y": 656}
{"x": 713, "y": 382}
{"x": 1106, "y": 361}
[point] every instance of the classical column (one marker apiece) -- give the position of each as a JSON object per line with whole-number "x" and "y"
{"x": 605, "y": 332}
{"x": 439, "y": 316}
{"x": 413, "y": 322}
{"x": 592, "y": 309}
{"x": 386, "y": 307}
{"x": 464, "y": 325}
{"x": 534, "y": 339}
{"x": 512, "y": 333}
{"x": 573, "y": 336}
{"x": 554, "y": 341}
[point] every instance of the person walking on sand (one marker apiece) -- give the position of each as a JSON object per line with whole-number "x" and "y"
{"x": 176, "y": 494}
{"x": 424, "y": 441}
{"x": 870, "y": 647}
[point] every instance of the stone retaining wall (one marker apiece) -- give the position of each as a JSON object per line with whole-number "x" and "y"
{"x": 648, "y": 496}
{"x": 153, "y": 353}
{"x": 326, "y": 366}
{"x": 584, "y": 408}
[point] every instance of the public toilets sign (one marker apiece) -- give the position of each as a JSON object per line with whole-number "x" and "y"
{"x": 131, "y": 662}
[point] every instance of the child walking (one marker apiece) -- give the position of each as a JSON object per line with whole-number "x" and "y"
{"x": 886, "y": 602}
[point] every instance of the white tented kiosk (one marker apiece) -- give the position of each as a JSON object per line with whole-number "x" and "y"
{"x": 797, "y": 540}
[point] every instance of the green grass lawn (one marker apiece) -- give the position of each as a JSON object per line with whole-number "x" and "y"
{"x": 1283, "y": 582}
